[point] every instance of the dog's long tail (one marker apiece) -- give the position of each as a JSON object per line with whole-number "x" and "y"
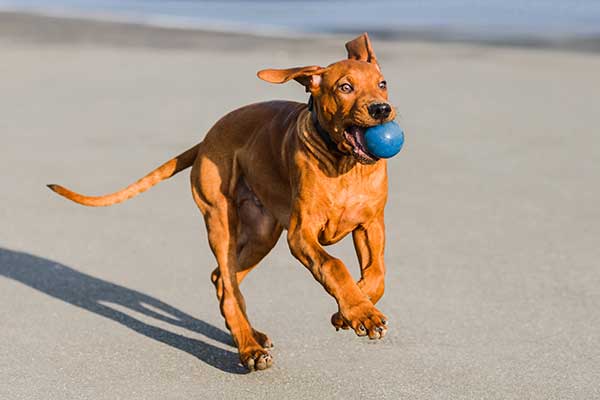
{"x": 167, "y": 170}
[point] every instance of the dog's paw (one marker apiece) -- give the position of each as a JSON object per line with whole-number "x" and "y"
{"x": 262, "y": 339}
{"x": 363, "y": 318}
{"x": 256, "y": 359}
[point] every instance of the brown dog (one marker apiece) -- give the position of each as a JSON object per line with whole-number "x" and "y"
{"x": 282, "y": 165}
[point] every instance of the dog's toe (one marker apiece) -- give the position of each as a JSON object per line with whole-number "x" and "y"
{"x": 263, "y": 362}
{"x": 364, "y": 319}
{"x": 257, "y": 359}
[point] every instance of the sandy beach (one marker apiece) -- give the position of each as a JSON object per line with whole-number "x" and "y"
{"x": 493, "y": 223}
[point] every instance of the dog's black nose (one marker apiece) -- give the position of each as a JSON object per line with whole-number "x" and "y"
{"x": 380, "y": 110}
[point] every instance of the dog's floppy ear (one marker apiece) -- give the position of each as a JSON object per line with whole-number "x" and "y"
{"x": 310, "y": 76}
{"x": 360, "y": 49}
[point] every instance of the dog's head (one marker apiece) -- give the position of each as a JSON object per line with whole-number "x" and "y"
{"x": 349, "y": 96}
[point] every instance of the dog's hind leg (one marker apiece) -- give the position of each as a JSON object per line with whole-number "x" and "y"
{"x": 252, "y": 253}
{"x": 257, "y": 233}
{"x": 213, "y": 191}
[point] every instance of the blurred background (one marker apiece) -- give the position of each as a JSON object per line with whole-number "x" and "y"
{"x": 493, "y": 224}
{"x": 492, "y": 21}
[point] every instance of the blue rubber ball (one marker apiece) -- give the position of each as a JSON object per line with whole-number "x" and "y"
{"x": 385, "y": 140}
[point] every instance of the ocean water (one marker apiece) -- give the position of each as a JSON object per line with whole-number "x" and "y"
{"x": 384, "y": 18}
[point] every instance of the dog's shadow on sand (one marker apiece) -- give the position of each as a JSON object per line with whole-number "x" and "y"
{"x": 96, "y": 295}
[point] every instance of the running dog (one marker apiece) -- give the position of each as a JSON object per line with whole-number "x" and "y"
{"x": 304, "y": 168}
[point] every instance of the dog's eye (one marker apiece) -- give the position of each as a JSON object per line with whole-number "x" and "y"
{"x": 346, "y": 88}
{"x": 383, "y": 85}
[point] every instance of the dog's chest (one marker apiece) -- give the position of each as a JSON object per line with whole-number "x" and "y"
{"x": 351, "y": 204}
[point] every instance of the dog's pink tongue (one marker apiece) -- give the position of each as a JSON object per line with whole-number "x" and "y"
{"x": 360, "y": 137}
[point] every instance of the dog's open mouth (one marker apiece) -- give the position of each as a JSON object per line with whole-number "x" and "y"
{"x": 355, "y": 137}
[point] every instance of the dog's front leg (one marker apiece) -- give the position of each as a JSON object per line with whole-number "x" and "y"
{"x": 369, "y": 243}
{"x": 356, "y": 309}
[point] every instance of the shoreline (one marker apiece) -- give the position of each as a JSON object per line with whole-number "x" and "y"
{"x": 53, "y": 28}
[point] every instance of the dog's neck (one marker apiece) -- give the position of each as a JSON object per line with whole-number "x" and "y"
{"x": 321, "y": 147}
{"x": 322, "y": 132}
